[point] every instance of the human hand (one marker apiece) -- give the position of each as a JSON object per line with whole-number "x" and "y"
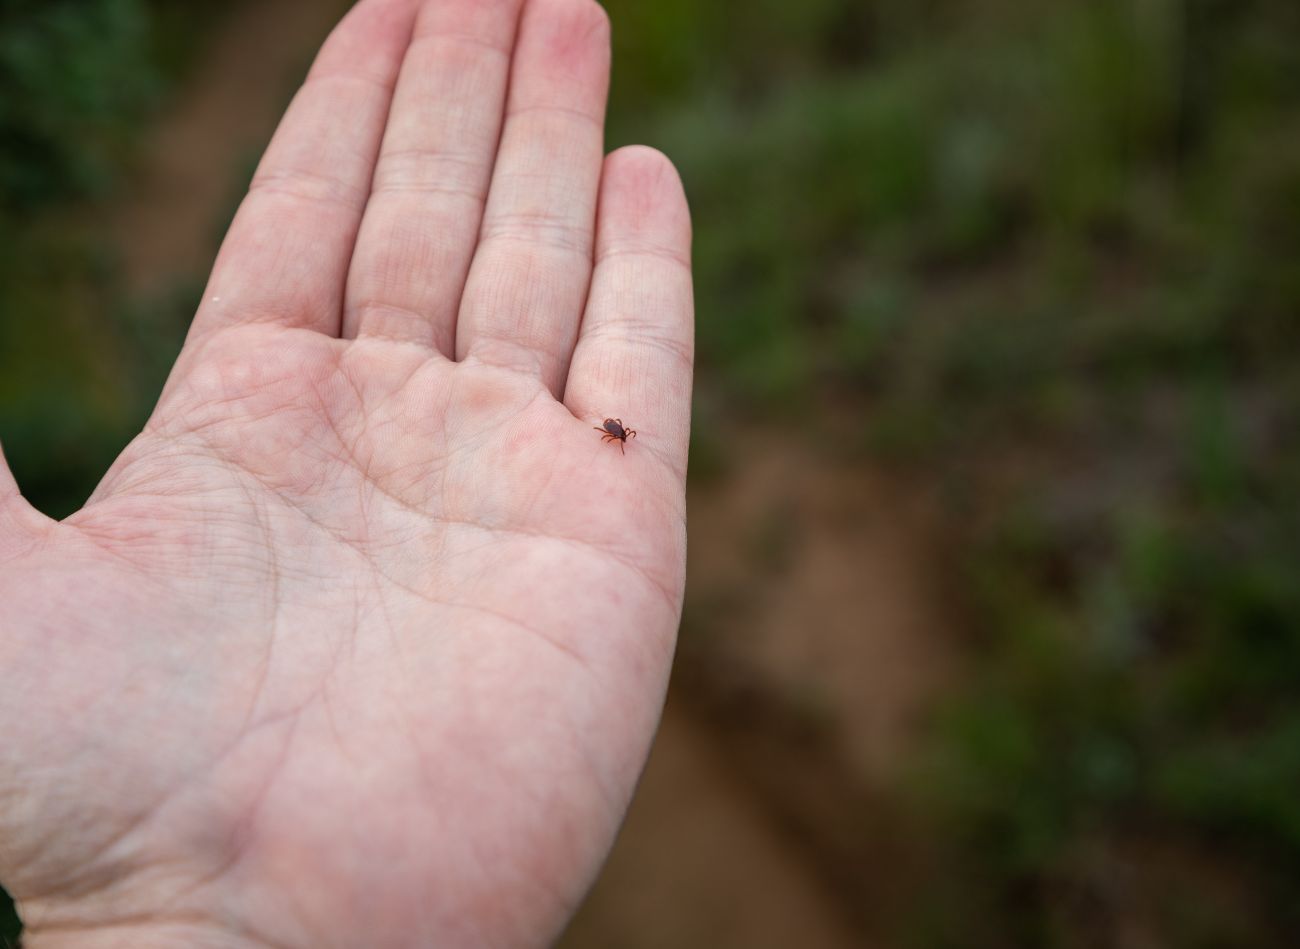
{"x": 363, "y": 641}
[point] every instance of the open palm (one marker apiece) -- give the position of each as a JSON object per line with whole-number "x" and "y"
{"x": 363, "y": 641}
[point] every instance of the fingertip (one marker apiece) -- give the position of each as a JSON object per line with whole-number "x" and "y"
{"x": 564, "y": 51}
{"x": 366, "y": 36}
{"x": 645, "y": 166}
{"x": 578, "y": 26}
{"x": 643, "y": 199}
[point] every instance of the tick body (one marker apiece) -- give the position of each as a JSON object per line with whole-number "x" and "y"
{"x": 614, "y": 431}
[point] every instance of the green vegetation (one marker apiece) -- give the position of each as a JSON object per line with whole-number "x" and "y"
{"x": 70, "y": 88}
{"x": 77, "y": 79}
{"x": 1045, "y": 256}
{"x": 1049, "y": 252}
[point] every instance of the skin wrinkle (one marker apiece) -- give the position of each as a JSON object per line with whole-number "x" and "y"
{"x": 422, "y": 169}
{"x": 536, "y": 229}
{"x": 329, "y": 532}
{"x": 359, "y": 312}
{"x": 350, "y": 456}
{"x": 153, "y": 811}
{"x": 243, "y": 392}
{"x": 328, "y": 705}
{"x": 520, "y": 532}
{"x": 528, "y": 363}
{"x": 446, "y": 519}
{"x": 265, "y": 668}
{"x": 241, "y": 835}
{"x": 402, "y": 163}
{"x": 581, "y": 544}
{"x": 239, "y": 839}
{"x": 401, "y": 386}
{"x": 310, "y": 187}
{"x": 231, "y": 466}
{"x": 482, "y": 434}
{"x": 137, "y": 921}
{"x": 144, "y": 813}
{"x": 638, "y": 250}
{"x": 643, "y": 334}
{"x": 235, "y": 468}
{"x": 348, "y": 459}
{"x": 107, "y": 877}
{"x": 104, "y": 547}
{"x": 360, "y": 551}
{"x": 473, "y": 194}
{"x": 116, "y": 482}
{"x": 437, "y": 37}
{"x": 503, "y": 617}
{"x": 316, "y": 79}
{"x": 562, "y": 111}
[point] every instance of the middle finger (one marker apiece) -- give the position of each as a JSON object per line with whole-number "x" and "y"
{"x": 426, "y": 203}
{"x": 528, "y": 283}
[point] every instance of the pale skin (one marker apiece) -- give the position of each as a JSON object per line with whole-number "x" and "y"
{"x": 363, "y": 641}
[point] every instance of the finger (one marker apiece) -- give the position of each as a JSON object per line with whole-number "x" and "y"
{"x": 530, "y": 274}
{"x": 286, "y": 256}
{"x": 19, "y": 521}
{"x": 8, "y": 486}
{"x": 635, "y": 354}
{"x": 422, "y": 223}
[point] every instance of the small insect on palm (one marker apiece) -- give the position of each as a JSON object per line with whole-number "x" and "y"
{"x": 614, "y": 431}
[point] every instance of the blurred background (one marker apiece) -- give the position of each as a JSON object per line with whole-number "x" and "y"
{"x": 993, "y": 630}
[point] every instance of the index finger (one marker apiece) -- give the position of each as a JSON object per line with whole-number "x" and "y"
{"x": 285, "y": 258}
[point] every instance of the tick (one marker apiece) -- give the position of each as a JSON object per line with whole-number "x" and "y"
{"x": 613, "y": 430}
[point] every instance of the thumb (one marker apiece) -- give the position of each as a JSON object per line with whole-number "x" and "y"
{"x": 19, "y": 521}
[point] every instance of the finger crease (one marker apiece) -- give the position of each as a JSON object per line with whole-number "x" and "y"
{"x": 310, "y": 187}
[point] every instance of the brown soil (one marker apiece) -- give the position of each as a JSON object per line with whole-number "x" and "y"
{"x": 222, "y": 118}
{"x": 814, "y": 642}
{"x": 701, "y": 863}
{"x": 813, "y": 648}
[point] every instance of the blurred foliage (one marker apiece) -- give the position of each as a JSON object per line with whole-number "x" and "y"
{"x": 1042, "y": 255}
{"x": 1047, "y": 253}
{"x": 71, "y": 83}
{"x": 70, "y": 79}
{"x": 77, "y": 79}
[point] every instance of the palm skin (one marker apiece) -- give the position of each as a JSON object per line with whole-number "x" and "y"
{"x": 363, "y": 640}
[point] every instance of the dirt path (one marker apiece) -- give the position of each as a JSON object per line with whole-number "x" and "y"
{"x": 701, "y": 864}
{"x": 816, "y": 643}
{"x": 220, "y": 119}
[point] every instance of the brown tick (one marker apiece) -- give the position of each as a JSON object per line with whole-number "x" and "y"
{"x": 613, "y": 430}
